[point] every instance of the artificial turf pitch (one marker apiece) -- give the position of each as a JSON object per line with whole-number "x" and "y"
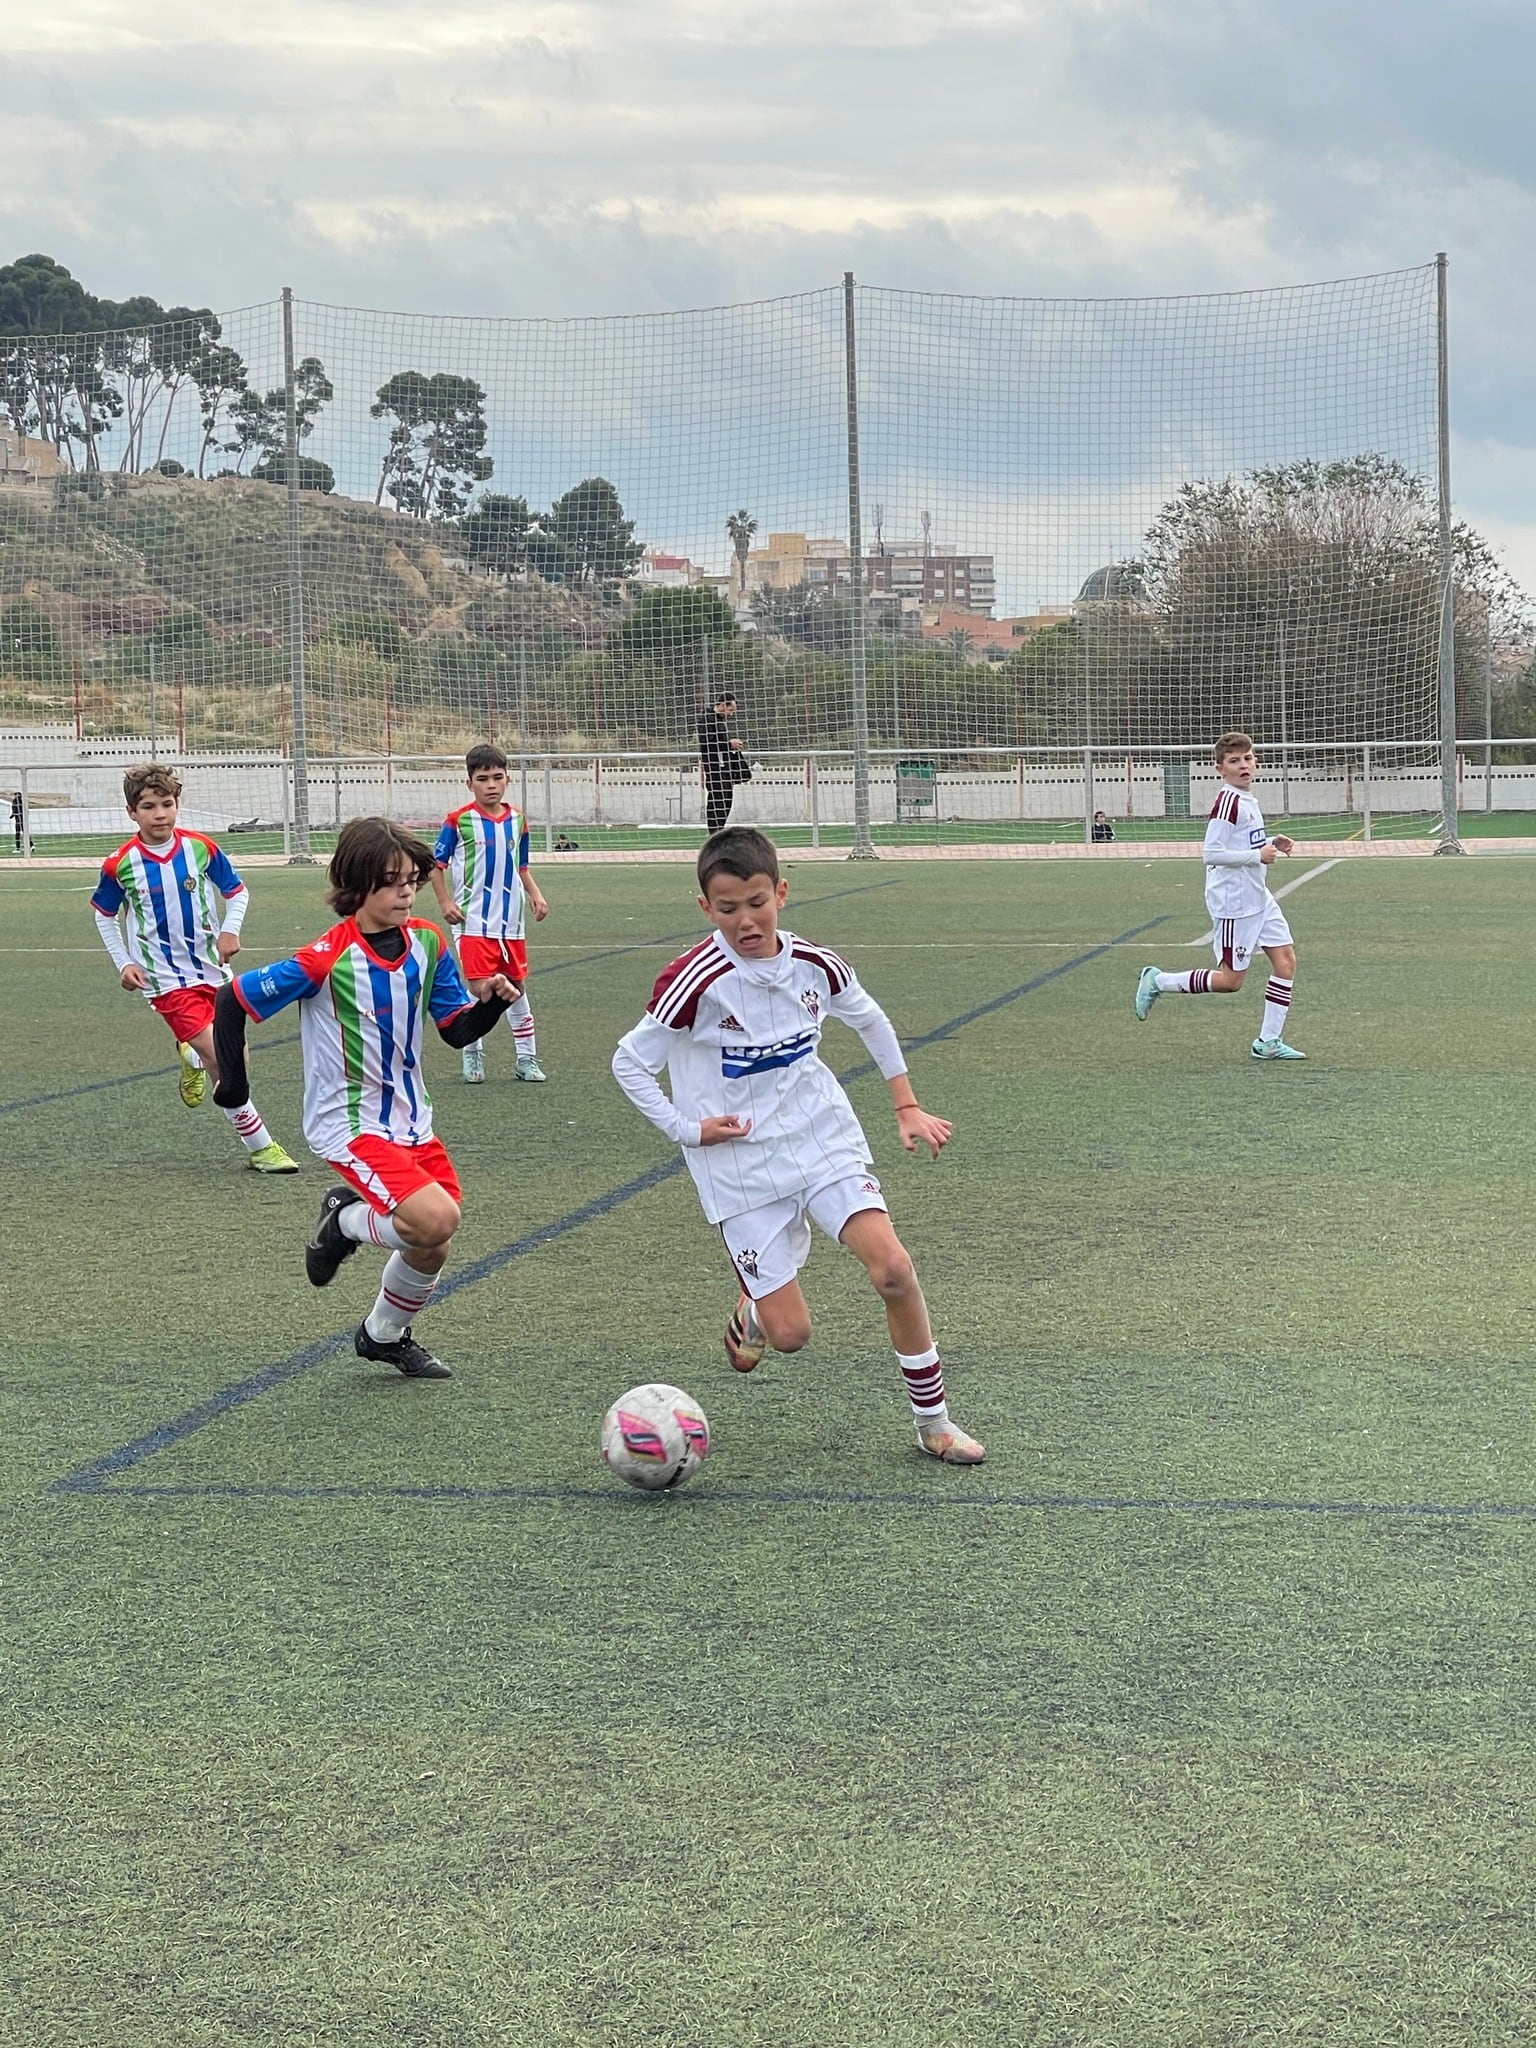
{"x": 341, "y": 1709}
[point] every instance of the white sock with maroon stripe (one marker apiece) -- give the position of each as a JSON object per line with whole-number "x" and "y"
{"x": 1277, "y": 1007}
{"x": 1196, "y": 982}
{"x": 402, "y": 1297}
{"x": 924, "y": 1376}
{"x": 520, "y": 1018}
{"x": 249, "y": 1128}
{"x": 366, "y": 1226}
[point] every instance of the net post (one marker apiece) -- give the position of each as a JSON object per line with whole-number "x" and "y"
{"x": 300, "y": 855}
{"x": 863, "y": 848}
{"x": 1449, "y": 839}
{"x": 26, "y": 849}
{"x": 1365, "y": 792}
{"x": 549, "y": 805}
{"x": 815, "y": 801}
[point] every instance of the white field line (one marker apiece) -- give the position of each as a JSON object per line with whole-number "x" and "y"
{"x": 1206, "y": 936}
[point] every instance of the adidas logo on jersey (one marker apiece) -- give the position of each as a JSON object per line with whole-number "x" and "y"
{"x": 729, "y": 1022}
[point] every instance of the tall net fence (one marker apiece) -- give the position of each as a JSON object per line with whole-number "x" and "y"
{"x": 316, "y": 552}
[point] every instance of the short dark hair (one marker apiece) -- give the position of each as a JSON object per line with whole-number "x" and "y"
{"x": 724, "y": 697}
{"x": 486, "y": 755}
{"x": 146, "y": 776}
{"x": 739, "y": 850}
{"x": 367, "y": 850}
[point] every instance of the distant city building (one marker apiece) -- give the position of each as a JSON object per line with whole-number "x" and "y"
{"x": 24, "y": 460}
{"x": 990, "y": 639}
{"x": 908, "y": 573}
{"x": 659, "y": 570}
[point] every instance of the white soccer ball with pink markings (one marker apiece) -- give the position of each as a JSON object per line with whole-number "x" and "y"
{"x": 655, "y": 1437}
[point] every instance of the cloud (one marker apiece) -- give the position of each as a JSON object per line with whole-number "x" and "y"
{"x": 582, "y": 157}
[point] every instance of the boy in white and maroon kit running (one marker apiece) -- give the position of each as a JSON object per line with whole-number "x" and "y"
{"x": 769, "y": 1136}
{"x": 1245, "y": 918}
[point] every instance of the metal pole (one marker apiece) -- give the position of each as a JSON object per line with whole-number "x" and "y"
{"x": 1449, "y": 841}
{"x": 154, "y": 729}
{"x": 863, "y": 848}
{"x": 1365, "y": 793}
{"x": 815, "y": 804}
{"x": 1488, "y": 706}
{"x": 1088, "y": 806}
{"x": 1285, "y": 760}
{"x": 25, "y": 849}
{"x": 549, "y": 805}
{"x": 295, "y": 552}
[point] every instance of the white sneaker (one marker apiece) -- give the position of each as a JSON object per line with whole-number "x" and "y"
{"x": 474, "y": 1063}
{"x": 528, "y": 1069}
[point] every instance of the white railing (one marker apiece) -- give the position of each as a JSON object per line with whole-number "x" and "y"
{"x": 78, "y": 791}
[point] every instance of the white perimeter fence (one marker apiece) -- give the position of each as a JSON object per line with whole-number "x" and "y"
{"x": 75, "y": 788}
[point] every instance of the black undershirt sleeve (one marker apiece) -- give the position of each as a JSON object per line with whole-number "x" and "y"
{"x": 473, "y": 1023}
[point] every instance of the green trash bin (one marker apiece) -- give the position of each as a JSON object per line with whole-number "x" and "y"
{"x": 917, "y": 789}
{"x": 1176, "y": 788}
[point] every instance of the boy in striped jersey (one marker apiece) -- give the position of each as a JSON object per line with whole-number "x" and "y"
{"x": 162, "y": 884}
{"x": 767, "y": 1132}
{"x": 483, "y": 847}
{"x": 366, "y": 986}
{"x": 1245, "y": 918}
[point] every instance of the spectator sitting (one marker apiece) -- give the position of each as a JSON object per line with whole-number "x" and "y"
{"x": 564, "y": 845}
{"x": 1102, "y": 833}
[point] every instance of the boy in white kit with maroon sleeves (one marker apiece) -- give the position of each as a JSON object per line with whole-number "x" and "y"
{"x": 767, "y": 1132}
{"x": 1245, "y": 917}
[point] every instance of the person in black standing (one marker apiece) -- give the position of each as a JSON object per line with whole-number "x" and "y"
{"x": 721, "y": 756}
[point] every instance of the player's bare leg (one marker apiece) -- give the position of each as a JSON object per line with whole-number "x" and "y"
{"x": 871, "y": 1237}
{"x": 781, "y": 1319}
{"x": 262, "y": 1151}
{"x": 419, "y": 1233}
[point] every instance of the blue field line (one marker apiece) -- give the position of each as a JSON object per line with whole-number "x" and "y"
{"x": 92, "y": 1477}
{"x": 292, "y": 1038}
{"x": 127, "y": 1080}
{"x": 959, "y": 1496}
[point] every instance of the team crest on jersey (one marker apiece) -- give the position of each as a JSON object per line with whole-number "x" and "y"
{"x": 811, "y": 1002}
{"x": 730, "y": 1022}
{"x": 748, "y": 1264}
{"x": 190, "y": 884}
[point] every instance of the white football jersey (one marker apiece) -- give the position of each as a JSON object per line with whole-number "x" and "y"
{"x": 1236, "y": 883}
{"x": 741, "y": 1038}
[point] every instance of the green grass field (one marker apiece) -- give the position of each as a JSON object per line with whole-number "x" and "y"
{"x": 345, "y": 1710}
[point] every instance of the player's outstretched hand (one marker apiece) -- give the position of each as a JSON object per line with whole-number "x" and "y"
{"x": 1285, "y": 845}
{"x": 133, "y": 976}
{"x": 917, "y": 1127}
{"x": 503, "y": 988}
{"x": 719, "y": 1130}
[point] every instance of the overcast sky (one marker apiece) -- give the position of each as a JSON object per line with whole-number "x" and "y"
{"x": 591, "y": 158}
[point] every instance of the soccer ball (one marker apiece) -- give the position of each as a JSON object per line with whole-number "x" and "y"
{"x": 655, "y": 1436}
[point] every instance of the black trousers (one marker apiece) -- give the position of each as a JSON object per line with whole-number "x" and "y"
{"x": 717, "y": 801}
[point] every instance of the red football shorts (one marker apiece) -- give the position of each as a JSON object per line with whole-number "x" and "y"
{"x": 386, "y": 1174}
{"x": 480, "y": 958}
{"x": 186, "y": 1010}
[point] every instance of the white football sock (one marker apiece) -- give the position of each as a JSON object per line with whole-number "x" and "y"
{"x": 1277, "y": 1007}
{"x": 250, "y": 1129}
{"x": 364, "y": 1225}
{"x": 1195, "y": 982}
{"x": 403, "y": 1294}
{"x": 520, "y": 1018}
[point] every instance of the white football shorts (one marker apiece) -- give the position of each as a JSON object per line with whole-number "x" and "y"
{"x": 768, "y": 1246}
{"x": 1235, "y": 940}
